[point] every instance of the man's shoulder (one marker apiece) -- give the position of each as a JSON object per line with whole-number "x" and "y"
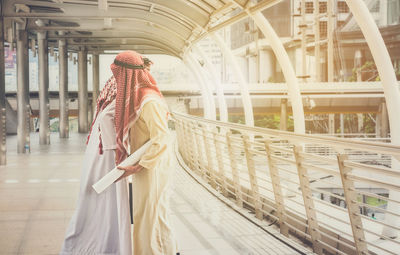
{"x": 154, "y": 103}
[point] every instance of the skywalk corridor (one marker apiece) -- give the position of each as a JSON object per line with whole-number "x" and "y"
{"x": 38, "y": 193}
{"x": 285, "y": 115}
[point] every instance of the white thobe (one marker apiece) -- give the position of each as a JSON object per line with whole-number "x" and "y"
{"x": 101, "y": 222}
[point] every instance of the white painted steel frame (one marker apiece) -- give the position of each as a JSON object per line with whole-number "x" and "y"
{"x": 206, "y": 86}
{"x": 287, "y": 69}
{"x": 246, "y": 101}
{"x": 386, "y": 73}
{"x": 353, "y": 234}
{"x": 284, "y": 61}
{"x": 200, "y": 82}
{"x": 223, "y": 110}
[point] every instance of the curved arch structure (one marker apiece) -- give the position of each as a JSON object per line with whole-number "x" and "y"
{"x": 172, "y": 27}
{"x": 204, "y": 95}
{"x": 286, "y": 65}
{"x": 223, "y": 110}
{"x": 246, "y": 101}
{"x": 209, "y": 103}
{"x": 390, "y": 88}
{"x": 287, "y": 69}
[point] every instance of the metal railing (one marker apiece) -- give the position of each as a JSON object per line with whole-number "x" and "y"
{"x": 337, "y": 201}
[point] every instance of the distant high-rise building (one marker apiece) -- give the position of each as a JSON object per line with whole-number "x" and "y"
{"x": 286, "y": 17}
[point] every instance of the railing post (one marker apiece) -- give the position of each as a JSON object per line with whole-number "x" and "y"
{"x": 181, "y": 138}
{"x": 194, "y": 148}
{"x": 252, "y": 177}
{"x": 188, "y": 147}
{"x": 276, "y": 186}
{"x": 200, "y": 158}
{"x": 308, "y": 201}
{"x": 350, "y": 196}
{"x": 184, "y": 151}
{"x": 210, "y": 162}
{"x": 235, "y": 173}
{"x": 179, "y": 133}
{"x": 221, "y": 169}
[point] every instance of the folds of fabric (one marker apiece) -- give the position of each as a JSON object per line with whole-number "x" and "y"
{"x": 100, "y": 223}
{"x": 152, "y": 227}
{"x": 134, "y": 86}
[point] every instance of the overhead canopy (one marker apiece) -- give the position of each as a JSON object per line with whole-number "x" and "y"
{"x": 150, "y": 27}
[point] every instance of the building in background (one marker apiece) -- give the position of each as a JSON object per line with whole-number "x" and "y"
{"x": 290, "y": 22}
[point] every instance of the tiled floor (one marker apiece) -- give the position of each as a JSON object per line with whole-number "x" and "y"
{"x": 38, "y": 193}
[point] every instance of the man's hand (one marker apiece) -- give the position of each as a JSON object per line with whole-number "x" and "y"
{"x": 129, "y": 170}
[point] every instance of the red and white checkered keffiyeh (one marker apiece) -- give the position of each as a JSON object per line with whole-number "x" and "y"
{"x": 135, "y": 86}
{"x": 131, "y": 86}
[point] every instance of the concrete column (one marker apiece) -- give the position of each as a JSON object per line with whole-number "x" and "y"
{"x": 82, "y": 92}
{"x": 252, "y": 62}
{"x": 63, "y": 88}
{"x": 331, "y": 123}
{"x": 187, "y": 105}
{"x": 266, "y": 66}
{"x": 90, "y": 113}
{"x": 360, "y": 122}
{"x": 23, "y": 108}
{"x": 96, "y": 83}
{"x": 284, "y": 117}
{"x": 358, "y": 64}
{"x": 317, "y": 47}
{"x": 342, "y": 124}
{"x": 3, "y": 134}
{"x": 330, "y": 29}
{"x": 378, "y": 122}
{"x": 383, "y": 13}
{"x": 44, "y": 104}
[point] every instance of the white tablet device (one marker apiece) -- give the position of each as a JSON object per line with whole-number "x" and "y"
{"x": 114, "y": 174}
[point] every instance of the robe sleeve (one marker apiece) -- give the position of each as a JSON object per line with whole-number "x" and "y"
{"x": 107, "y": 128}
{"x": 155, "y": 117}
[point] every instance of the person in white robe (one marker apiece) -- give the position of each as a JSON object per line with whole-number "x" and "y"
{"x": 101, "y": 222}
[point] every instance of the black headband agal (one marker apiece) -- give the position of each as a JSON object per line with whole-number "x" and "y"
{"x": 126, "y": 65}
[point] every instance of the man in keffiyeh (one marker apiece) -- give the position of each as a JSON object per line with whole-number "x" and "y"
{"x": 141, "y": 114}
{"x": 130, "y": 111}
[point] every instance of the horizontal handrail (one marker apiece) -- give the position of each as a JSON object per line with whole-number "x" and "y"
{"x": 325, "y": 140}
{"x": 266, "y": 169}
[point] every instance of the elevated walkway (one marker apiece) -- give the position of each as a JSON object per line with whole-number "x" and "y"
{"x": 38, "y": 192}
{"x": 315, "y": 188}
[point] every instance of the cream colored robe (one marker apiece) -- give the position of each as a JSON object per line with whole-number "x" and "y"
{"x": 152, "y": 230}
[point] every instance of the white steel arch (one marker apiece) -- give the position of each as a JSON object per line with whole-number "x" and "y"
{"x": 246, "y": 101}
{"x": 287, "y": 67}
{"x": 390, "y": 87}
{"x": 205, "y": 95}
{"x": 206, "y": 86}
{"x": 223, "y": 111}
